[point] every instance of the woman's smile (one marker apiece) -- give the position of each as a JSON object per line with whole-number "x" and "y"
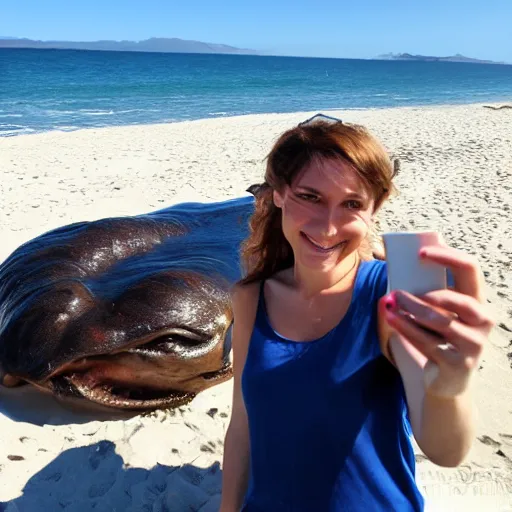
{"x": 323, "y": 247}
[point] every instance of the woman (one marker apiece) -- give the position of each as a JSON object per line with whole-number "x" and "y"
{"x": 332, "y": 377}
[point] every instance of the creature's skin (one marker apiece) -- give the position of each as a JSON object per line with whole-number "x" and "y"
{"x": 131, "y": 313}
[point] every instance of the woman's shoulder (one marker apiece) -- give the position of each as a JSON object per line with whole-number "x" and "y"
{"x": 375, "y": 268}
{"x": 244, "y": 299}
{"x": 374, "y": 277}
{"x": 242, "y": 292}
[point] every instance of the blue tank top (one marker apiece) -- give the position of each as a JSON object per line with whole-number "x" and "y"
{"x": 328, "y": 421}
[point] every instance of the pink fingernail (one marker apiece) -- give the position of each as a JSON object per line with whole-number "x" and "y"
{"x": 390, "y": 302}
{"x": 423, "y": 253}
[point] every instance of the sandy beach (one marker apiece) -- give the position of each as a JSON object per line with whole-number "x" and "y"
{"x": 455, "y": 177}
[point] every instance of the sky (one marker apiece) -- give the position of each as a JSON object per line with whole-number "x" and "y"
{"x": 326, "y": 28}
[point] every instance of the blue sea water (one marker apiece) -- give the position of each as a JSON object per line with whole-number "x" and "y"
{"x": 66, "y": 89}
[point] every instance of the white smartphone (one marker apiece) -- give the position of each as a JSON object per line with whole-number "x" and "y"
{"x": 406, "y": 270}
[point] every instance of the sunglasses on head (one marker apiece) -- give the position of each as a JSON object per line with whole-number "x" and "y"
{"x": 321, "y": 117}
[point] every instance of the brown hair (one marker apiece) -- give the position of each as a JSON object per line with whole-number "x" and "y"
{"x": 266, "y": 250}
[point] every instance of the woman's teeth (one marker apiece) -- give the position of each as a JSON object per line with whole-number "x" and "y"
{"x": 321, "y": 247}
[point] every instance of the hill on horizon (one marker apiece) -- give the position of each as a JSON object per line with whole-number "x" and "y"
{"x": 154, "y": 44}
{"x": 176, "y": 45}
{"x": 431, "y": 58}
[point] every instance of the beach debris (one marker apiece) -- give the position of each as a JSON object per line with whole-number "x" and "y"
{"x": 15, "y": 457}
{"x": 501, "y": 107}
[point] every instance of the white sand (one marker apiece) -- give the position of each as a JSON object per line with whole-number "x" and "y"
{"x": 456, "y": 177}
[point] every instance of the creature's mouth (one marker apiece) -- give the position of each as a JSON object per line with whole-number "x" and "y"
{"x": 106, "y": 380}
{"x": 123, "y": 396}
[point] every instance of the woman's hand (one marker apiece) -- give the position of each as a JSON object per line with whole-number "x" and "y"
{"x": 449, "y": 327}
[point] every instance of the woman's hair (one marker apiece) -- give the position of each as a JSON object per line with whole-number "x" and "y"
{"x": 266, "y": 250}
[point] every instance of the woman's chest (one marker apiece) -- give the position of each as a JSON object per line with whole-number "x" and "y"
{"x": 304, "y": 320}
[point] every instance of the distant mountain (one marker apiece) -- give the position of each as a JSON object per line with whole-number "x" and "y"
{"x": 454, "y": 58}
{"x": 155, "y": 44}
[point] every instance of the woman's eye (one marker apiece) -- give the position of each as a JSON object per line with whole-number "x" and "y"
{"x": 307, "y": 197}
{"x": 353, "y": 204}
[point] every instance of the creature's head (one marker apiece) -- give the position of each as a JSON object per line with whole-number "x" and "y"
{"x": 129, "y": 313}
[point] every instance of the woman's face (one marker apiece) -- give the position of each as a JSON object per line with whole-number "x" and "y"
{"x": 326, "y": 213}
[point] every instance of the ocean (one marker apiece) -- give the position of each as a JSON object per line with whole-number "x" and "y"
{"x": 66, "y": 90}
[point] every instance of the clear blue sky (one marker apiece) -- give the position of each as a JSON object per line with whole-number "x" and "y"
{"x": 359, "y": 28}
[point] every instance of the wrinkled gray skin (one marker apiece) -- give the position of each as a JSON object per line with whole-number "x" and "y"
{"x": 129, "y": 313}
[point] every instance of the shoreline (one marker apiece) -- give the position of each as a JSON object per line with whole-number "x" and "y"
{"x": 494, "y": 102}
{"x": 456, "y": 170}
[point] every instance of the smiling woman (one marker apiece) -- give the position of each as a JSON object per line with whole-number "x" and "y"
{"x": 320, "y": 220}
{"x": 313, "y": 327}
{"x": 308, "y": 168}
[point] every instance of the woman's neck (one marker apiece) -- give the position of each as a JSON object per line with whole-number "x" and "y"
{"x": 311, "y": 283}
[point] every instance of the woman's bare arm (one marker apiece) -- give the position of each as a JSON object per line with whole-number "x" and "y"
{"x": 442, "y": 427}
{"x": 438, "y": 384}
{"x": 235, "y": 471}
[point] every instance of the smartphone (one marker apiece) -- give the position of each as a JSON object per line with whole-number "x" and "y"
{"x": 406, "y": 270}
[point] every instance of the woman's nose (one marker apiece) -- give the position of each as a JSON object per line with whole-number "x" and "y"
{"x": 329, "y": 224}
{"x": 329, "y": 231}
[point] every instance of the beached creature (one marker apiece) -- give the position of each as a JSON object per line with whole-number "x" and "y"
{"x": 129, "y": 313}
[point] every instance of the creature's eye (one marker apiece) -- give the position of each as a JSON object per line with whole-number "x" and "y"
{"x": 173, "y": 341}
{"x": 185, "y": 341}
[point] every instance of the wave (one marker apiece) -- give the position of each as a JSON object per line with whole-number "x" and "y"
{"x": 91, "y": 112}
{"x": 60, "y": 112}
{"x": 17, "y": 131}
{"x": 137, "y": 110}
{"x": 9, "y": 125}
{"x": 11, "y": 115}
{"x": 66, "y": 128}
{"x": 331, "y": 109}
